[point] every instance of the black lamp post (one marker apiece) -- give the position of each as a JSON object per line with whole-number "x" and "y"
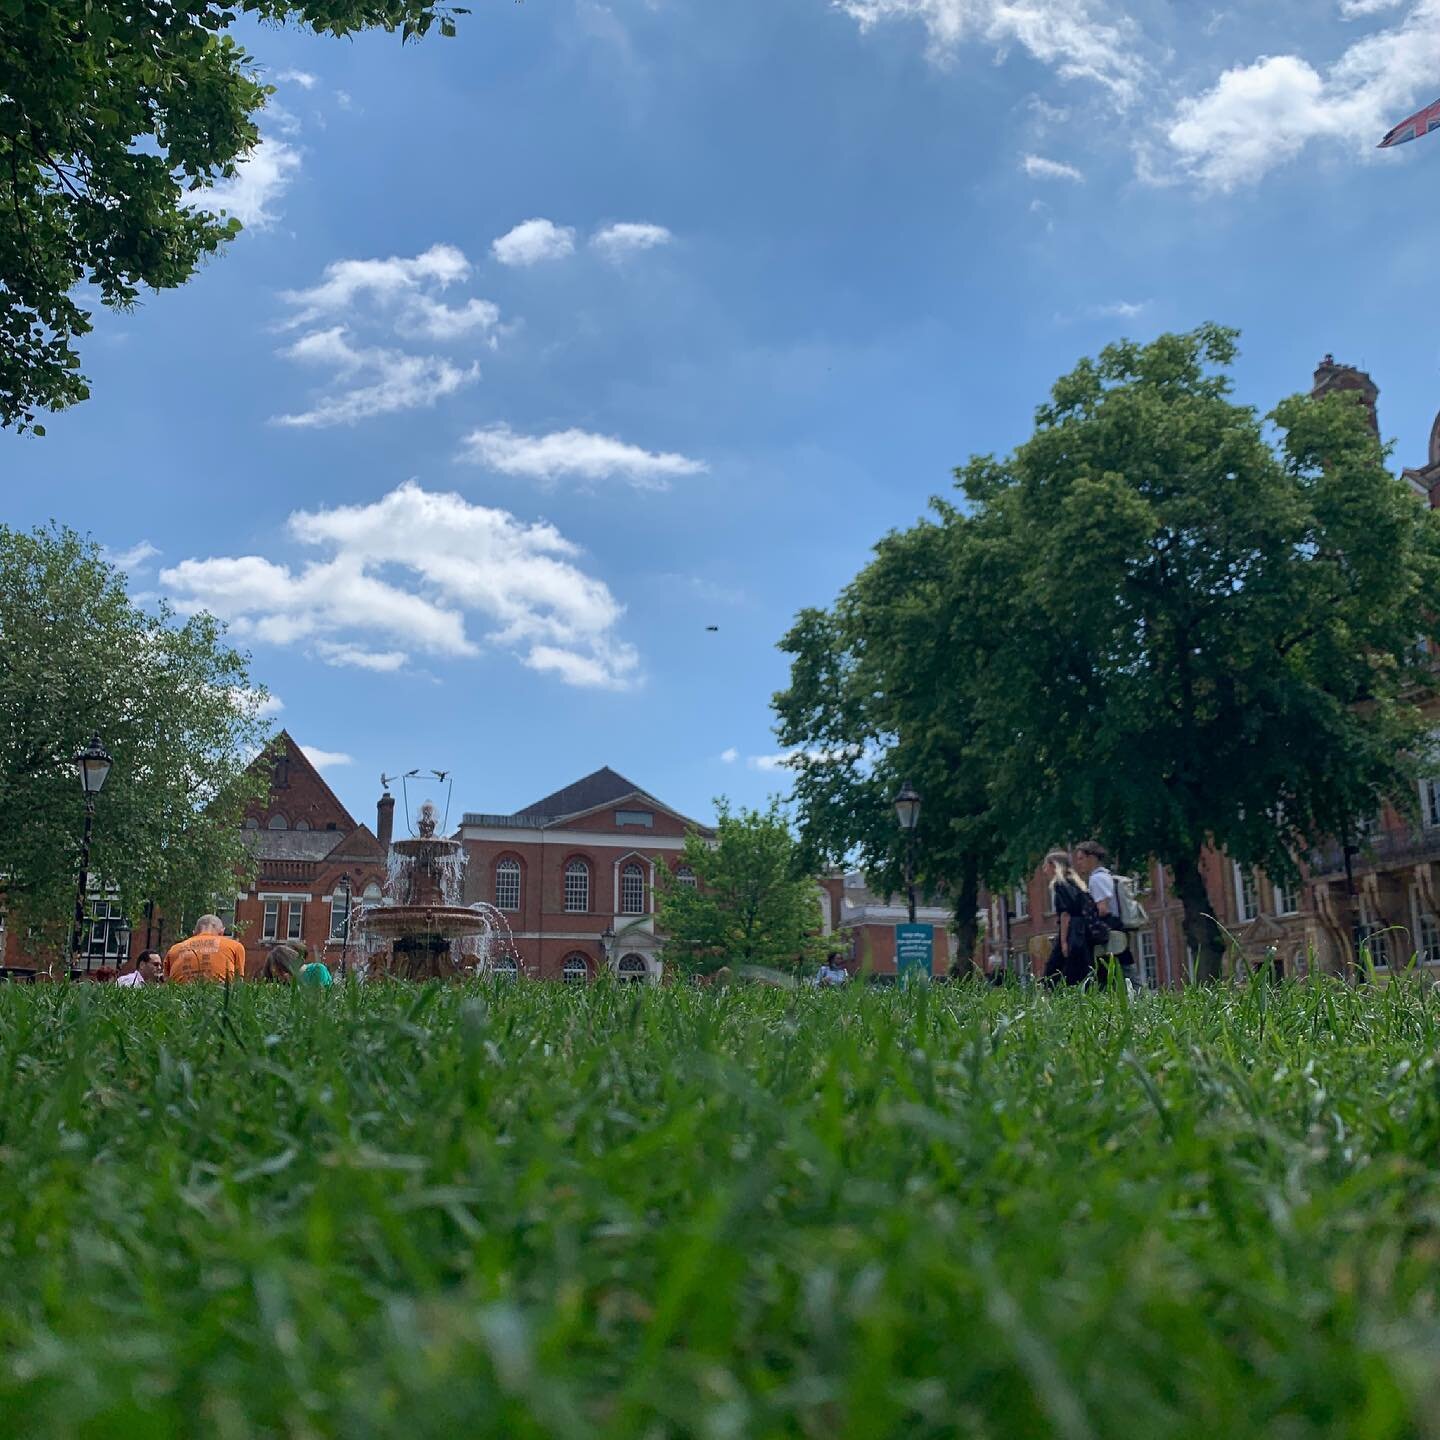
{"x": 607, "y": 939}
{"x": 93, "y": 762}
{"x": 345, "y": 942}
{"x": 907, "y": 810}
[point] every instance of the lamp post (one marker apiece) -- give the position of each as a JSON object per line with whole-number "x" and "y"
{"x": 907, "y": 810}
{"x": 607, "y": 939}
{"x": 349, "y": 917}
{"x": 93, "y": 762}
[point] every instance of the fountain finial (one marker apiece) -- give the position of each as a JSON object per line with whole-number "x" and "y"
{"x": 426, "y": 823}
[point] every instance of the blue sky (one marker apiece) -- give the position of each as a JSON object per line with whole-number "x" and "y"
{"x": 550, "y": 345}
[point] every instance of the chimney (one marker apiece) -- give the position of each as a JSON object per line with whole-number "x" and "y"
{"x": 1331, "y": 377}
{"x": 385, "y": 819}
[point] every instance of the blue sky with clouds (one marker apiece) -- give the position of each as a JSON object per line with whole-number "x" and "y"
{"x": 550, "y": 345}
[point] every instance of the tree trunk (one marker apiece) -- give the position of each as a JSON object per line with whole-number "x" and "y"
{"x": 1202, "y": 931}
{"x": 967, "y": 900}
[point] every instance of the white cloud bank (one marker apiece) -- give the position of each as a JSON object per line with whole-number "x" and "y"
{"x": 326, "y": 759}
{"x": 1075, "y": 37}
{"x": 1037, "y": 167}
{"x": 1259, "y": 116}
{"x": 400, "y": 298}
{"x": 253, "y": 192}
{"x": 574, "y": 454}
{"x": 534, "y": 241}
{"x": 409, "y": 571}
{"x": 617, "y": 242}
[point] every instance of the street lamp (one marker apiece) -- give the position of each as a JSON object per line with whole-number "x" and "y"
{"x": 607, "y": 939}
{"x": 345, "y": 942}
{"x": 93, "y": 763}
{"x": 907, "y": 810}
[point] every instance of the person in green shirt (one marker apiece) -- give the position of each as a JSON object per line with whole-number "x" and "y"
{"x": 316, "y": 973}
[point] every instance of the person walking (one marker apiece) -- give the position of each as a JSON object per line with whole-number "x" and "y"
{"x": 1092, "y": 862}
{"x": 146, "y": 972}
{"x": 208, "y": 954}
{"x": 1071, "y": 956}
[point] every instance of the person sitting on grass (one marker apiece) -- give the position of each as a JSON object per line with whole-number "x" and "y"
{"x": 281, "y": 965}
{"x": 146, "y": 971}
{"x": 209, "y": 954}
{"x": 317, "y": 974}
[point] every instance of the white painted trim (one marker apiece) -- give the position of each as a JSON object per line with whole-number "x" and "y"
{"x": 283, "y": 895}
{"x": 573, "y": 839}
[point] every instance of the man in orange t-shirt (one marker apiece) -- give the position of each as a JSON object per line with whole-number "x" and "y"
{"x": 209, "y": 954}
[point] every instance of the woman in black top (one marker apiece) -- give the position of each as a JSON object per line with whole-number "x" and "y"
{"x": 1070, "y": 957}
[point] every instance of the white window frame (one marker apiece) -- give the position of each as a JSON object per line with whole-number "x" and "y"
{"x": 1430, "y": 802}
{"x": 577, "y": 895}
{"x": 511, "y": 873}
{"x": 575, "y": 970}
{"x": 1147, "y": 958}
{"x": 1244, "y": 912}
{"x": 1378, "y": 937}
{"x": 1427, "y": 937}
{"x": 632, "y": 904}
{"x": 1286, "y": 900}
{"x": 684, "y": 875}
{"x": 103, "y": 916}
{"x": 632, "y": 970}
{"x": 505, "y": 968}
{"x": 1020, "y": 903}
{"x": 295, "y": 920}
{"x": 270, "y": 919}
{"x": 339, "y": 916}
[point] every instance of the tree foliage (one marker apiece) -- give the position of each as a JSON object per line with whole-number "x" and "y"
{"x": 1170, "y": 629}
{"x": 171, "y": 702}
{"x": 753, "y": 902}
{"x": 882, "y": 691}
{"x": 112, "y": 114}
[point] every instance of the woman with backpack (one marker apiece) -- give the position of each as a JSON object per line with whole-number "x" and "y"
{"x": 1072, "y": 956}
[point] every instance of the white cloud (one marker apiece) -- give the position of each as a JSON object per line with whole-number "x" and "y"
{"x": 391, "y": 380}
{"x": 730, "y": 755}
{"x": 1362, "y": 9}
{"x": 303, "y": 78}
{"x": 258, "y": 703}
{"x": 615, "y": 242}
{"x": 1120, "y": 309}
{"x": 388, "y": 281}
{"x": 135, "y": 560}
{"x": 257, "y": 185}
{"x": 574, "y": 453}
{"x": 532, "y": 241}
{"x": 411, "y": 569}
{"x": 382, "y": 661}
{"x": 1039, "y": 168}
{"x": 802, "y": 759}
{"x": 326, "y": 759}
{"x": 1259, "y": 116}
{"x": 1071, "y": 35}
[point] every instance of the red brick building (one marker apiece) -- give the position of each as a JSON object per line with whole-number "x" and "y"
{"x": 863, "y": 923}
{"x": 574, "y": 875}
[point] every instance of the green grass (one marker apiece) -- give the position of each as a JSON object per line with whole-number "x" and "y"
{"x": 547, "y": 1211}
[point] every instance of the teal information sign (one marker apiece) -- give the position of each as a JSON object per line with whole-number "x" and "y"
{"x": 914, "y": 950}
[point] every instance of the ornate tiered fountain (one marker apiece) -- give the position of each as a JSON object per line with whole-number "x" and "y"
{"x": 419, "y": 930}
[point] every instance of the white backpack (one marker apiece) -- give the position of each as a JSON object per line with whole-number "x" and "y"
{"x": 1128, "y": 909}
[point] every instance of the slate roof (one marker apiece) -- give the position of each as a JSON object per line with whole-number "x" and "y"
{"x": 309, "y": 845}
{"x": 601, "y": 788}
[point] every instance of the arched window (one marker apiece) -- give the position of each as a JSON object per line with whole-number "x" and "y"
{"x": 576, "y": 970}
{"x": 372, "y": 894}
{"x": 277, "y": 822}
{"x": 632, "y": 890}
{"x": 302, "y": 824}
{"x": 251, "y": 823}
{"x": 686, "y": 876}
{"x": 632, "y": 970}
{"x": 507, "y": 885}
{"x": 505, "y": 968}
{"x": 577, "y": 887}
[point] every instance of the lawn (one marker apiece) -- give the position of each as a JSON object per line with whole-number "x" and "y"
{"x": 547, "y": 1211}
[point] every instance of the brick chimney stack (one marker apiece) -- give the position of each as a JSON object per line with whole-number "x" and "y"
{"x": 385, "y": 819}
{"x": 1331, "y": 377}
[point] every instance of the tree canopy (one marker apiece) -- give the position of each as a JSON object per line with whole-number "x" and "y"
{"x": 752, "y": 903}
{"x": 1168, "y": 625}
{"x": 113, "y": 114}
{"x": 171, "y": 702}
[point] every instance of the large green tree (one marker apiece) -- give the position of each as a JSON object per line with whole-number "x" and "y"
{"x": 752, "y": 904}
{"x": 112, "y": 113}
{"x": 1204, "y": 630}
{"x": 173, "y": 704}
{"x": 883, "y": 691}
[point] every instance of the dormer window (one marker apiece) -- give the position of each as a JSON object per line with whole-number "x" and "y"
{"x": 635, "y": 817}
